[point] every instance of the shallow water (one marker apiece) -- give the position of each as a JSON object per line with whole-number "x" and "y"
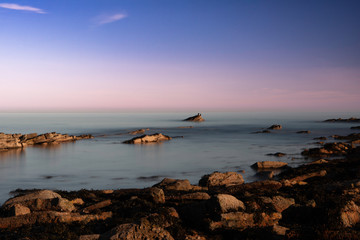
{"x": 224, "y": 142}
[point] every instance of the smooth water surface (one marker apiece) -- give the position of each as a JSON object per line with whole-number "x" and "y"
{"x": 224, "y": 142}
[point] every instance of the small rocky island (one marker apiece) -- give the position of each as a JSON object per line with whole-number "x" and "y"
{"x": 12, "y": 141}
{"x": 153, "y": 138}
{"x": 196, "y": 118}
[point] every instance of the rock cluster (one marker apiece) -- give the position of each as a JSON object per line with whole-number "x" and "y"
{"x": 11, "y": 141}
{"x": 352, "y": 119}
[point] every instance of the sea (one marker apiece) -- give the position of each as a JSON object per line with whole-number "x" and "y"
{"x": 225, "y": 141}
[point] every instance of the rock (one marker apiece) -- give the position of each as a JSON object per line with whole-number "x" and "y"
{"x": 329, "y": 149}
{"x": 350, "y": 214}
{"x": 43, "y": 194}
{"x": 265, "y": 175}
{"x": 227, "y": 203}
{"x": 218, "y": 179}
{"x": 320, "y": 161}
{"x": 268, "y": 164}
{"x": 242, "y": 220}
{"x": 176, "y": 184}
{"x": 139, "y": 131}
{"x": 89, "y": 237}
{"x": 157, "y": 195}
{"x": 154, "y": 138}
{"x": 275, "y": 127}
{"x": 299, "y": 179}
{"x": 263, "y": 131}
{"x": 303, "y": 132}
{"x": 280, "y": 230}
{"x": 278, "y": 203}
{"x": 195, "y": 196}
{"x": 77, "y": 201}
{"x": 131, "y": 231}
{"x": 278, "y": 154}
{"x": 50, "y": 217}
{"x": 356, "y": 127}
{"x": 320, "y": 138}
{"x": 352, "y": 119}
{"x": 101, "y": 204}
{"x": 107, "y": 191}
{"x": 196, "y": 118}
{"x": 15, "y": 210}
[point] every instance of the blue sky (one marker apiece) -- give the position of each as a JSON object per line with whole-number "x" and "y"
{"x": 196, "y": 54}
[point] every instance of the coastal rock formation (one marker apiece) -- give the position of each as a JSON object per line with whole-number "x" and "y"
{"x": 352, "y": 119}
{"x": 275, "y": 127}
{"x": 10, "y": 141}
{"x": 269, "y": 164}
{"x": 154, "y": 138}
{"x": 303, "y": 132}
{"x": 196, "y": 118}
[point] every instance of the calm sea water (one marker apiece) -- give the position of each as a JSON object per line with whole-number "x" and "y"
{"x": 224, "y": 142}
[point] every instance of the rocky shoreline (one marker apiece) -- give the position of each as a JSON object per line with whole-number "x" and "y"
{"x": 318, "y": 200}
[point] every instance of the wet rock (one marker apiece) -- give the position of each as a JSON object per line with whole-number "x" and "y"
{"x": 263, "y": 131}
{"x": 278, "y": 203}
{"x": 350, "y": 214}
{"x": 278, "y": 154}
{"x": 265, "y": 175}
{"x": 218, "y": 179}
{"x": 176, "y": 184}
{"x": 196, "y": 118}
{"x": 269, "y": 165}
{"x": 303, "y": 132}
{"x": 154, "y": 138}
{"x": 356, "y": 127}
{"x": 275, "y": 127}
{"x": 131, "y": 231}
{"x": 224, "y": 203}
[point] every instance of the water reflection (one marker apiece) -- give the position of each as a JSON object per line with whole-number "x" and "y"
{"x": 12, "y": 154}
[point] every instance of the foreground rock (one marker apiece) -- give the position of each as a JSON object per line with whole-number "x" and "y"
{"x": 154, "y": 138}
{"x": 11, "y": 141}
{"x": 196, "y": 118}
{"x": 320, "y": 200}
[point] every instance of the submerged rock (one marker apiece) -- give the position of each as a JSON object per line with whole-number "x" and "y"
{"x": 303, "y": 132}
{"x": 154, "y": 138}
{"x": 196, "y": 118}
{"x": 275, "y": 127}
{"x": 278, "y": 154}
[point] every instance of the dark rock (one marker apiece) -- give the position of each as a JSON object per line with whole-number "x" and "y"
{"x": 269, "y": 165}
{"x": 196, "y": 118}
{"x": 352, "y": 119}
{"x": 264, "y": 131}
{"x": 275, "y": 127}
{"x": 303, "y": 132}
{"x": 356, "y": 127}
{"x": 278, "y": 154}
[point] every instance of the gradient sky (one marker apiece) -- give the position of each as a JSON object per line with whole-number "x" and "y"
{"x": 197, "y": 55}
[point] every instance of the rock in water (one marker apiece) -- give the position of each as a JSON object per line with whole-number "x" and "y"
{"x": 269, "y": 164}
{"x": 154, "y": 138}
{"x": 275, "y": 127}
{"x": 196, "y": 118}
{"x": 217, "y": 179}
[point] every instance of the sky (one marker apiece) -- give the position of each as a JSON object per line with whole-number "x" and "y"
{"x": 198, "y": 55}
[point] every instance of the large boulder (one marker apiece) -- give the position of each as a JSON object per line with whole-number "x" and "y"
{"x": 154, "y": 138}
{"x": 217, "y": 179}
{"x": 196, "y": 118}
{"x": 278, "y": 203}
{"x": 224, "y": 203}
{"x": 350, "y": 214}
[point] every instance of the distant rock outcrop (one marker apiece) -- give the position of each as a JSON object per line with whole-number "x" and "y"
{"x": 10, "y": 141}
{"x": 275, "y": 127}
{"x": 154, "y": 138}
{"x": 352, "y": 119}
{"x": 196, "y": 118}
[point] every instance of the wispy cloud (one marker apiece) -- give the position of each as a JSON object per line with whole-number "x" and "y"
{"x": 104, "y": 19}
{"x": 14, "y": 6}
